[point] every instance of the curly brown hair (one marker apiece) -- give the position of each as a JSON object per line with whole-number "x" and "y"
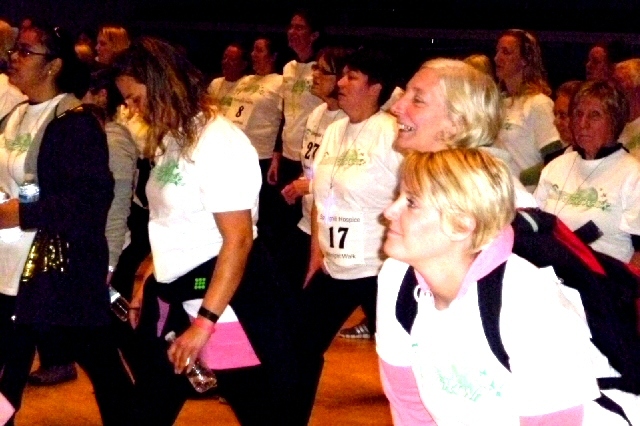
{"x": 176, "y": 92}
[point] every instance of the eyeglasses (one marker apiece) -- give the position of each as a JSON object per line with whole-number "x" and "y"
{"x": 323, "y": 71}
{"x": 24, "y": 52}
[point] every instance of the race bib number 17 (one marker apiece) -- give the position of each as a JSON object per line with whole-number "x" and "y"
{"x": 341, "y": 235}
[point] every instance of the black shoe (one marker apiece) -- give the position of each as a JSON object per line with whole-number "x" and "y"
{"x": 53, "y": 375}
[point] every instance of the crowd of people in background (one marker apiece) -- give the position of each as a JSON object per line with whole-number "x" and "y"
{"x": 275, "y": 199}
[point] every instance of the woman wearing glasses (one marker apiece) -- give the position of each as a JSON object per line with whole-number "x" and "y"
{"x": 325, "y": 74}
{"x": 54, "y": 142}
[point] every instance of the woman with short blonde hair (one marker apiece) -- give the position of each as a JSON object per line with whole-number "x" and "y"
{"x": 112, "y": 39}
{"x": 448, "y": 236}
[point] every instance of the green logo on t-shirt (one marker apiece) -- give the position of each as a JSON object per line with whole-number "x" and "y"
{"x": 168, "y": 172}
{"x": 591, "y": 198}
{"x": 20, "y": 144}
{"x": 471, "y": 386}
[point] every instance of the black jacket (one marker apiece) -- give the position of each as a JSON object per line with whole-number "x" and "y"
{"x": 76, "y": 190}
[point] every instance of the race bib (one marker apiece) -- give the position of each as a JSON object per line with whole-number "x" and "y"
{"x": 239, "y": 112}
{"x": 341, "y": 235}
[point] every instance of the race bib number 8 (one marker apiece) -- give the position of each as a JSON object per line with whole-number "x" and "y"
{"x": 341, "y": 235}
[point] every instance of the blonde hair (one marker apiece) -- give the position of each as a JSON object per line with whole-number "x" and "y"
{"x": 7, "y": 39}
{"x": 480, "y": 62}
{"x": 461, "y": 183}
{"x": 632, "y": 68}
{"x": 472, "y": 100}
{"x": 117, "y": 36}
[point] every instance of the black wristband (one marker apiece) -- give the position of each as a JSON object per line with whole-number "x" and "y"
{"x": 205, "y": 313}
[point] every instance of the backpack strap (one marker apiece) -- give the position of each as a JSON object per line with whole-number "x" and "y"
{"x": 609, "y": 404}
{"x": 406, "y": 304}
{"x": 490, "y": 304}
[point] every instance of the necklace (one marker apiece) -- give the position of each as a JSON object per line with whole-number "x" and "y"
{"x": 557, "y": 211}
{"x": 334, "y": 169}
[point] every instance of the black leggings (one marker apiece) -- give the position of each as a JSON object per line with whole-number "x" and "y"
{"x": 264, "y": 395}
{"x": 93, "y": 349}
{"x": 327, "y": 304}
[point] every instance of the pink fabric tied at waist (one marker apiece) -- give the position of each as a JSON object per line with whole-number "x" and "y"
{"x": 228, "y": 347}
{"x": 6, "y": 410}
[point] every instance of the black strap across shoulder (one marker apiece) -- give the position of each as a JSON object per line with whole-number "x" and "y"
{"x": 406, "y": 304}
{"x": 490, "y": 304}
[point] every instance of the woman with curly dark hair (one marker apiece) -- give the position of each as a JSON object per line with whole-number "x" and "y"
{"x": 212, "y": 284}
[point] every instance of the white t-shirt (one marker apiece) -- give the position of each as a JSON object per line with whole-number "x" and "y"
{"x": 523, "y": 197}
{"x": 317, "y": 123}
{"x": 222, "y": 90}
{"x": 355, "y": 177}
{"x": 298, "y": 104}
{"x": 10, "y": 96}
{"x": 461, "y": 382}
{"x": 630, "y": 137}
{"x": 222, "y": 175}
{"x": 528, "y": 127}
{"x": 22, "y": 126}
{"x": 606, "y": 191}
{"x": 256, "y": 108}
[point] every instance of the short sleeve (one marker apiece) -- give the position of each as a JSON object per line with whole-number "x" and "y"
{"x": 630, "y": 193}
{"x": 227, "y": 169}
{"x": 548, "y": 343}
{"x": 540, "y": 118}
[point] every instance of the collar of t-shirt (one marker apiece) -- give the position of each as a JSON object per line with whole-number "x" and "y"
{"x": 603, "y": 152}
{"x": 496, "y": 253}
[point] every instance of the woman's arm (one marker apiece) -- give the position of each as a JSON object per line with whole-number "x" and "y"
{"x": 237, "y": 238}
{"x": 122, "y": 163}
{"x": 316, "y": 257}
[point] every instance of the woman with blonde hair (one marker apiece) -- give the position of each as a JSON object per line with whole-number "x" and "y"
{"x": 448, "y": 238}
{"x": 528, "y": 133}
{"x": 450, "y": 104}
{"x": 481, "y": 63}
{"x": 112, "y": 39}
{"x": 208, "y": 266}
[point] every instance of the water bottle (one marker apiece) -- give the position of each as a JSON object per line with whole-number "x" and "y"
{"x": 202, "y": 379}
{"x": 29, "y": 191}
{"x": 119, "y": 304}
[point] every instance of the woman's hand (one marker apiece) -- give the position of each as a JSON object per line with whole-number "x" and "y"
{"x": 295, "y": 189}
{"x": 9, "y": 214}
{"x": 316, "y": 262}
{"x": 272, "y": 174}
{"x": 185, "y": 349}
